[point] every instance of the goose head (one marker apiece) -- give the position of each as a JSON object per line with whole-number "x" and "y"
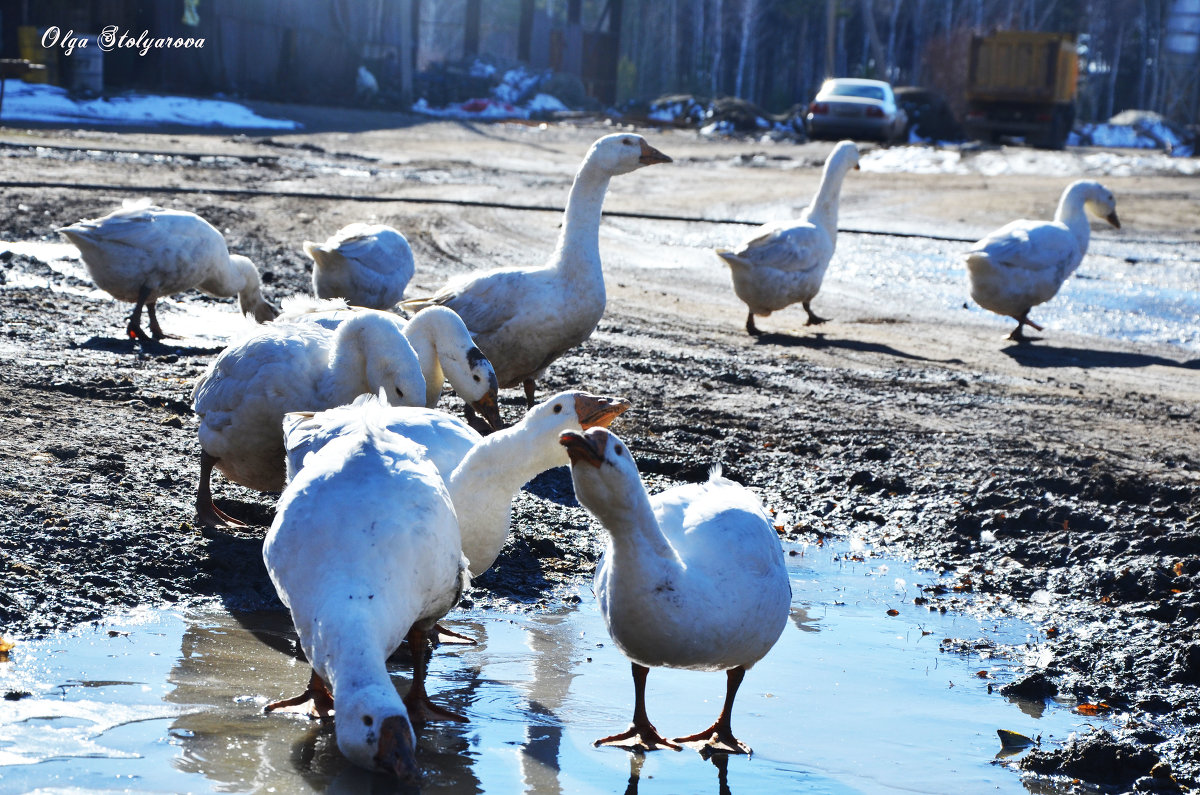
{"x": 843, "y": 157}
{"x": 439, "y": 330}
{"x": 372, "y": 347}
{"x": 543, "y": 424}
{"x": 375, "y": 733}
{"x": 603, "y": 471}
{"x": 1101, "y": 203}
{"x": 621, "y": 153}
{"x": 250, "y": 297}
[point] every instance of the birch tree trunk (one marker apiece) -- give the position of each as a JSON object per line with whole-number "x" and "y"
{"x": 749, "y": 16}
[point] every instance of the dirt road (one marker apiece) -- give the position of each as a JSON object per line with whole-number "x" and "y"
{"x": 1058, "y": 481}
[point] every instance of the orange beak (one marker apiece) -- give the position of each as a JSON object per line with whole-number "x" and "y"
{"x": 650, "y": 155}
{"x": 585, "y": 448}
{"x": 599, "y": 410}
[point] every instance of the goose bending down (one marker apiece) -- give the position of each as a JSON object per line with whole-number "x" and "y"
{"x": 692, "y": 578}
{"x": 526, "y": 317}
{"x": 367, "y": 264}
{"x": 443, "y": 346}
{"x": 364, "y": 550}
{"x": 248, "y": 388}
{"x": 784, "y": 262}
{"x": 482, "y": 473}
{"x": 141, "y": 253}
{"x": 1024, "y": 263}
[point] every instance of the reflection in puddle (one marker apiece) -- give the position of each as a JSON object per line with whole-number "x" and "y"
{"x": 851, "y": 699}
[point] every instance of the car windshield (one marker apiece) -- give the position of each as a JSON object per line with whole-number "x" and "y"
{"x": 855, "y": 90}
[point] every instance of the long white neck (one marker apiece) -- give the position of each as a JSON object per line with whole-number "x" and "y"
{"x": 484, "y": 483}
{"x": 579, "y": 242}
{"x": 1072, "y": 213}
{"x": 422, "y": 333}
{"x": 823, "y": 209}
{"x": 351, "y": 656}
{"x": 636, "y": 539}
{"x": 346, "y": 376}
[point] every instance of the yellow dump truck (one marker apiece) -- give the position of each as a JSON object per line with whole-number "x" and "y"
{"x": 1022, "y": 83}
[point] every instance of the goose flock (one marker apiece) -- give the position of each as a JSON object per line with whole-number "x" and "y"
{"x": 389, "y": 506}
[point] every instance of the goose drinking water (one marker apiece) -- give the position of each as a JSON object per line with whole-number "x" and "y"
{"x": 141, "y": 253}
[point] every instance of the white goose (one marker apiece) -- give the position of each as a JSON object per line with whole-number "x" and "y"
{"x": 359, "y": 581}
{"x": 524, "y": 318}
{"x": 784, "y": 263}
{"x": 141, "y": 253}
{"x": 692, "y": 578}
{"x": 483, "y": 473}
{"x": 442, "y": 344}
{"x": 241, "y": 400}
{"x": 367, "y": 264}
{"x": 1024, "y": 263}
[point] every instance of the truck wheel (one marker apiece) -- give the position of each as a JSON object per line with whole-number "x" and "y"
{"x": 1056, "y": 136}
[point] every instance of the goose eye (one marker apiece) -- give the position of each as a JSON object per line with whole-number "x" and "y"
{"x": 628, "y": 142}
{"x": 399, "y": 392}
{"x": 619, "y": 450}
{"x": 477, "y": 379}
{"x": 558, "y": 408}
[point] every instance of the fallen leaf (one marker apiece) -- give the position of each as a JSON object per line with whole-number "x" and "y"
{"x": 1179, "y": 569}
{"x": 893, "y": 612}
{"x": 1092, "y": 709}
{"x": 983, "y": 674}
{"x": 1013, "y": 739}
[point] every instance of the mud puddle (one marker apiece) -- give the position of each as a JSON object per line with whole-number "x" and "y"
{"x": 867, "y": 691}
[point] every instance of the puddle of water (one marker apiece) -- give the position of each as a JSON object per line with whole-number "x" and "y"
{"x": 1156, "y": 300}
{"x": 850, "y": 700}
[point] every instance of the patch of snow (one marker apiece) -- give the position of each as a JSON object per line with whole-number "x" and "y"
{"x": 918, "y": 159}
{"x": 45, "y": 103}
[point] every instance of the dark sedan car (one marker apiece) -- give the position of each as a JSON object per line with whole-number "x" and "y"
{"x": 850, "y": 107}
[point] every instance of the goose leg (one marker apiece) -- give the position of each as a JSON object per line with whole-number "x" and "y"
{"x": 420, "y": 708}
{"x": 813, "y": 318}
{"x": 155, "y": 329}
{"x": 449, "y": 636}
{"x": 317, "y": 692}
{"x": 134, "y": 327}
{"x": 641, "y": 734}
{"x": 478, "y": 423}
{"x": 530, "y": 391}
{"x": 1018, "y": 334}
{"x": 750, "y": 327}
{"x": 209, "y": 514}
{"x": 718, "y": 738}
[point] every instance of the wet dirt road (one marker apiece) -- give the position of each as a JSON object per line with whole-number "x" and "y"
{"x": 1057, "y": 482}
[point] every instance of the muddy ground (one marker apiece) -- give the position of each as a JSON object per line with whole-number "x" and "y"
{"x": 1059, "y": 482}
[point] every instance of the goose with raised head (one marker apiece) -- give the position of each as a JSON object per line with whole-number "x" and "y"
{"x": 442, "y": 344}
{"x": 524, "y": 318}
{"x": 141, "y": 253}
{"x": 483, "y": 473}
{"x": 366, "y": 264}
{"x": 1024, "y": 263}
{"x": 783, "y": 263}
{"x": 693, "y": 577}
{"x": 358, "y": 582}
{"x": 242, "y": 398}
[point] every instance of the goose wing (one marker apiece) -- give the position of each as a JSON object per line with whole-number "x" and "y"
{"x": 1031, "y": 247}
{"x": 791, "y": 248}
